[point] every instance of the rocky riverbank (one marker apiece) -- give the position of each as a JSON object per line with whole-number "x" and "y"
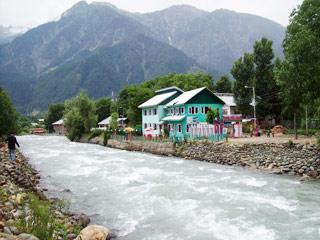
{"x": 25, "y": 212}
{"x": 290, "y": 158}
{"x": 293, "y": 159}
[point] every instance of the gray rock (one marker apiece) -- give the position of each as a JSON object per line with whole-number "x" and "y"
{"x": 71, "y": 236}
{"x": 14, "y": 230}
{"x": 83, "y": 220}
{"x": 25, "y": 236}
{"x": 277, "y": 172}
{"x": 7, "y": 230}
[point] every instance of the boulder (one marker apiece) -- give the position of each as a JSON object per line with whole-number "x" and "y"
{"x": 25, "y": 236}
{"x": 83, "y": 220}
{"x": 4, "y": 236}
{"x": 94, "y": 232}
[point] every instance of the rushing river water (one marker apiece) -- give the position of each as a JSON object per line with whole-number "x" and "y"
{"x": 147, "y": 197}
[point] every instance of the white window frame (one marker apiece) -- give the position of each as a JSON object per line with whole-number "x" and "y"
{"x": 154, "y": 111}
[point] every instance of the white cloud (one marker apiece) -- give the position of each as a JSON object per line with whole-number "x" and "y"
{"x": 34, "y": 12}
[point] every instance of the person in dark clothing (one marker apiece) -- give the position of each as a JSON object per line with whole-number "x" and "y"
{"x": 12, "y": 142}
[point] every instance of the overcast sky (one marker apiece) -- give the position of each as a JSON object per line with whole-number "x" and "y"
{"x": 30, "y": 13}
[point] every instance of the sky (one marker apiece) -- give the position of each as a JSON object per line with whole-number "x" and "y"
{"x": 30, "y": 13}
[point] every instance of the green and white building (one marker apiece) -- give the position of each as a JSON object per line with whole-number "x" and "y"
{"x": 153, "y": 111}
{"x": 182, "y": 113}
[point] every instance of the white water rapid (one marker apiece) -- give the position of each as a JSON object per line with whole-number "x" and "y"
{"x": 146, "y": 197}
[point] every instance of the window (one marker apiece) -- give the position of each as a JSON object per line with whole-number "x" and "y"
{"x": 204, "y": 110}
{"x": 155, "y": 126}
{"x": 150, "y": 112}
{"x": 193, "y": 110}
{"x": 181, "y": 110}
{"x": 150, "y": 125}
{"x": 145, "y": 112}
{"x": 155, "y": 111}
{"x": 179, "y": 128}
{"x": 188, "y": 128}
{"x": 145, "y": 125}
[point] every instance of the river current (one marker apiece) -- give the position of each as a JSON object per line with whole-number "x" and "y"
{"x": 147, "y": 197}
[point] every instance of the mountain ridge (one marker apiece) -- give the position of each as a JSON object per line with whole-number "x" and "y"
{"x": 98, "y": 47}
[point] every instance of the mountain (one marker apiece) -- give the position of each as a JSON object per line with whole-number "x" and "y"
{"x": 7, "y": 34}
{"x": 100, "y": 48}
{"x": 95, "y": 47}
{"x": 108, "y": 69}
{"x": 216, "y": 39}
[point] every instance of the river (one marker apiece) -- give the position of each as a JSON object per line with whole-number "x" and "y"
{"x": 147, "y": 197}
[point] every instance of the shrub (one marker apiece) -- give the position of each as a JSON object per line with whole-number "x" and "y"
{"x": 106, "y": 137}
{"x": 38, "y": 219}
{"x": 95, "y": 133}
{"x": 290, "y": 144}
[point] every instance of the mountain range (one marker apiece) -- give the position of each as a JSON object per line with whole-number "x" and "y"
{"x": 100, "y": 48}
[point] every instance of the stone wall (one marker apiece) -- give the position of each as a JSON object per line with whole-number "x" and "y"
{"x": 161, "y": 148}
{"x": 294, "y": 159}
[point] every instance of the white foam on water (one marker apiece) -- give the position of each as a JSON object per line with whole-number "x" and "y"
{"x": 279, "y": 202}
{"x": 152, "y": 197}
{"x": 250, "y": 182}
{"x": 211, "y": 223}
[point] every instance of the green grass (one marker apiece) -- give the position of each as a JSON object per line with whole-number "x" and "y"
{"x": 38, "y": 219}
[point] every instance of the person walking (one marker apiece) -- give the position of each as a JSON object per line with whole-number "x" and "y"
{"x": 12, "y": 142}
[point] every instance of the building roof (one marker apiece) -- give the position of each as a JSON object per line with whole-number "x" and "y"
{"x": 105, "y": 121}
{"x": 108, "y": 119}
{"x": 228, "y": 98}
{"x": 173, "y": 118}
{"x": 122, "y": 119}
{"x": 185, "y": 97}
{"x": 169, "y": 89}
{"x": 59, "y": 122}
{"x": 158, "y": 99}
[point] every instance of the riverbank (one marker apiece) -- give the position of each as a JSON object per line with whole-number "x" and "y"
{"x": 300, "y": 158}
{"x": 25, "y": 211}
{"x": 278, "y": 158}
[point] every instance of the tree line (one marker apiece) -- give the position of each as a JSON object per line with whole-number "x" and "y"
{"x": 82, "y": 113}
{"x": 288, "y": 87}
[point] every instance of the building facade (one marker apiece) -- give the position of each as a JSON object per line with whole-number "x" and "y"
{"x": 184, "y": 116}
{"x": 153, "y": 111}
{"x": 59, "y": 127}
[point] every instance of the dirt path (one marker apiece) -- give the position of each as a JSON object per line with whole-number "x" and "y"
{"x": 276, "y": 139}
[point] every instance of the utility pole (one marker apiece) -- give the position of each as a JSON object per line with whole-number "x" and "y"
{"x": 307, "y": 127}
{"x": 254, "y": 105}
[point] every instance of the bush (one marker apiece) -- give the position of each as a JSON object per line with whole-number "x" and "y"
{"x": 290, "y": 144}
{"x": 38, "y": 219}
{"x": 106, "y": 137}
{"x": 95, "y": 133}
